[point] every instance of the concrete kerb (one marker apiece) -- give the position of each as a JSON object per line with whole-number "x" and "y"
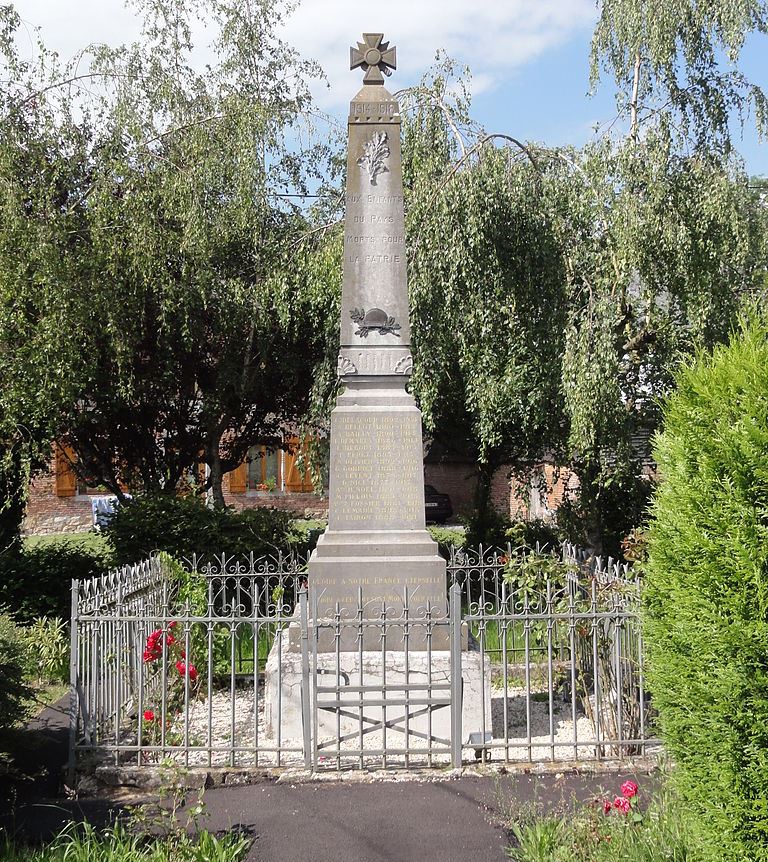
{"x": 145, "y": 779}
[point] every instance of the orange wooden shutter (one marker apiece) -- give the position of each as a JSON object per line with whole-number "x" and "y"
{"x": 238, "y": 479}
{"x": 66, "y": 480}
{"x": 294, "y": 479}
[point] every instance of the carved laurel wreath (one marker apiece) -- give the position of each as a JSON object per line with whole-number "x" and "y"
{"x": 374, "y": 153}
{"x": 389, "y": 327}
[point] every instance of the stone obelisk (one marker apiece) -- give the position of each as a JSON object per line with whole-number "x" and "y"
{"x": 376, "y": 537}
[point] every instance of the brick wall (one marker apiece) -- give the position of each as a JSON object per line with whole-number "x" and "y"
{"x": 46, "y": 513}
{"x": 458, "y": 481}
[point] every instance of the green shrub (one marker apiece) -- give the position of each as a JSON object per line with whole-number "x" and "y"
{"x": 529, "y": 534}
{"x": 182, "y": 526}
{"x": 447, "y": 538}
{"x": 620, "y": 507}
{"x": 48, "y": 649}
{"x": 488, "y": 528}
{"x": 706, "y": 594}
{"x": 304, "y": 534}
{"x": 35, "y": 580}
{"x": 14, "y": 691}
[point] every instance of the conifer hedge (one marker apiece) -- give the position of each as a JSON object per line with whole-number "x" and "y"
{"x": 707, "y": 593}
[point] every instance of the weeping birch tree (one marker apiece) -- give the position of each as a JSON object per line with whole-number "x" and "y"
{"x": 145, "y": 225}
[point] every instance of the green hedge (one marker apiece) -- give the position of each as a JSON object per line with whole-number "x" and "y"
{"x": 35, "y": 578}
{"x": 182, "y": 526}
{"x": 707, "y": 594}
{"x": 14, "y": 670}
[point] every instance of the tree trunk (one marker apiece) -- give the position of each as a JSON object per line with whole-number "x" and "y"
{"x": 591, "y": 506}
{"x": 486, "y": 519}
{"x": 216, "y": 475}
{"x": 633, "y": 106}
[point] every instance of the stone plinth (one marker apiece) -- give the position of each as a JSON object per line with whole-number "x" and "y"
{"x": 282, "y": 695}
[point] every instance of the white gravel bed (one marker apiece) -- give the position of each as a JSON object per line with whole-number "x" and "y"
{"x": 232, "y": 723}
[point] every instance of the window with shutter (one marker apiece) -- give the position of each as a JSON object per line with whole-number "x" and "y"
{"x": 238, "y": 479}
{"x": 296, "y": 480}
{"x": 65, "y": 476}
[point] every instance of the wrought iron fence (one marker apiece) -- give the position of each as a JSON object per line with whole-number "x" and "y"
{"x": 537, "y": 658}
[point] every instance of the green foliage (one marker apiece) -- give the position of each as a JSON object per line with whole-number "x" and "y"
{"x": 676, "y": 61}
{"x": 48, "y": 647}
{"x": 447, "y": 538}
{"x": 14, "y": 667}
{"x": 532, "y": 534}
{"x": 35, "y": 580}
{"x": 706, "y": 593}
{"x": 487, "y": 288}
{"x": 537, "y": 841}
{"x": 659, "y": 833}
{"x": 303, "y": 534}
{"x": 487, "y": 527}
{"x": 530, "y": 572}
{"x": 619, "y": 504}
{"x": 84, "y": 843}
{"x": 182, "y": 526}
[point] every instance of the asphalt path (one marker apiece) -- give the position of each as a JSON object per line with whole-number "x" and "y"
{"x": 397, "y": 821}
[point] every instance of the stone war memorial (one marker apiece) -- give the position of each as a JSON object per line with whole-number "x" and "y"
{"x": 375, "y": 652}
{"x": 376, "y": 559}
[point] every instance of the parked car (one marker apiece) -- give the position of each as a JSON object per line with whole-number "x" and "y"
{"x": 437, "y": 506}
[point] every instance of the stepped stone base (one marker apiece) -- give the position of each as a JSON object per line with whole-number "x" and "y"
{"x": 282, "y": 695}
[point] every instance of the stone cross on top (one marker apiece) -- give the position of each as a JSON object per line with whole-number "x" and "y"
{"x": 374, "y": 56}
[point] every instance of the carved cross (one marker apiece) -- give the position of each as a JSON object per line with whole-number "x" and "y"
{"x": 374, "y": 56}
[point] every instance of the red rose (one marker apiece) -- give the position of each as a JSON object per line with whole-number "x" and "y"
{"x": 151, "y": 654}
{"x": 607, "y": 806}
{"x": 622, "y": 804}
{"x": 149, "y": 715}
{"x": 185, "y": 669}
{"x": 629, "y": 789}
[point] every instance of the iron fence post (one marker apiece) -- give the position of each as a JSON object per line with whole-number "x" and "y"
{"x": 73, "y": 696}
{"x": 305, "y": 694}
{"x": 456, "y": 688}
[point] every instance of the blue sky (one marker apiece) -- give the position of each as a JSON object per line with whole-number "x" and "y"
{"x": 529, "y": 58}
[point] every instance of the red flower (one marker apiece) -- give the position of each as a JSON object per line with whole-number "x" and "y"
{"x": 607, "y": 806}
{"x": 151, "y": 654}
{"x": 629, "y": 789}
{"x": 185, "y": 669}
{"x": 149, "y": 715}
{"x": 622, "y": 804}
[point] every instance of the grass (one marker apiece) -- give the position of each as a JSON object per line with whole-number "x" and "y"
{"x": 83, "y": 843}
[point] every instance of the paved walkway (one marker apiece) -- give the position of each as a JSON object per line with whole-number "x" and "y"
{"x": 384, "y": 821}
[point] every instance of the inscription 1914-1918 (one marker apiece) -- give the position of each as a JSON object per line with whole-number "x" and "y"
{"x": 373, "y": 109}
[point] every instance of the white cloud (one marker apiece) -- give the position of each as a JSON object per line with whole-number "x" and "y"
{"x": 492, "y": 37}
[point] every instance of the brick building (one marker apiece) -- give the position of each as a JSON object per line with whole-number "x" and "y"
{"x": 60, "y": 503}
